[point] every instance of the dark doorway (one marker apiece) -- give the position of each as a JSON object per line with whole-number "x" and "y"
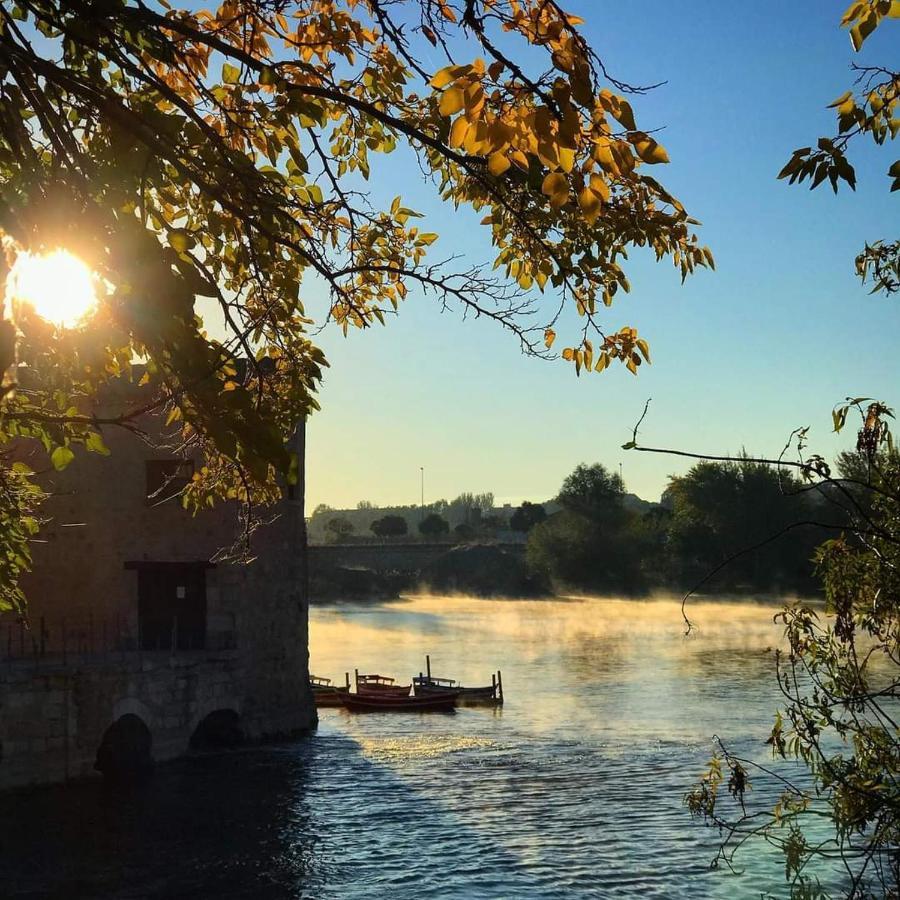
{"x": 171, "y": 605}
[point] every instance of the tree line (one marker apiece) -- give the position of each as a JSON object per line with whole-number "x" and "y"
{"x": 736, "y": 525}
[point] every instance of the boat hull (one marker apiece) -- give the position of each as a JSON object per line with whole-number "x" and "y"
{"x": 487, "y": 694}
{"x": 444, "y": 702}
{"x": 329, "y": 698}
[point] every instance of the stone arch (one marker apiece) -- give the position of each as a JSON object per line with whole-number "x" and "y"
{"x": 218, "y": 730}
{"x": 135, "y": 707}
{"x": 125, "y": 750}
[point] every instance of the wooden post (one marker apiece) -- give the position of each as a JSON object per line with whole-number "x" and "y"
{"x": 500, "y": 685}
{"x": 493, "y": 686}
{"x": 347, "y": 677}
{"x": 428, "y": 666}
{"x": 356, "y": 679}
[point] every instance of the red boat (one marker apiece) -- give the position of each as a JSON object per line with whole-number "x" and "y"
{"x": 386, "y": 703}
{"x": 380, "y": 686}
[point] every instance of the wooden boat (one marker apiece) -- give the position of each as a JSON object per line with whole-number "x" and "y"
{"x": 325, "y": 693}
{"x": 428, "y": 684}
{"x": 381, "y": 686}
{"x": 425, "y": 686}
{"x": 443, "y": 702}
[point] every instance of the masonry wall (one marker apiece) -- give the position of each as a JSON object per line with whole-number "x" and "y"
{"x": 78, "y": 668}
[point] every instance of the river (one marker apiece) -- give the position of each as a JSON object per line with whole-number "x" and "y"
{"x": 573, "y": 790}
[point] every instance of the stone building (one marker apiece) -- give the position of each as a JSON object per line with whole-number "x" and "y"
{"x": 139, "y": 644}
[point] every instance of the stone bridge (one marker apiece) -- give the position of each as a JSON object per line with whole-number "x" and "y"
{"x": 408, "y": 557}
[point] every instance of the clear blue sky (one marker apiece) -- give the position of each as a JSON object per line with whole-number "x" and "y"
{"x": 741, "y": 356}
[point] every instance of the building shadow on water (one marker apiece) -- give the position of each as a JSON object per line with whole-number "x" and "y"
{"x": 311, "y": 819}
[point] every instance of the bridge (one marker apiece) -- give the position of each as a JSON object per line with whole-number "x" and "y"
{"x": 409, "y": 557}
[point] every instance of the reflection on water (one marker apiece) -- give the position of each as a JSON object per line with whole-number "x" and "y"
{"x": 572, "y": 790}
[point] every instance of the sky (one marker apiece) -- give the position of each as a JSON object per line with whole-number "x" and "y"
{"x": 768, "y": 342}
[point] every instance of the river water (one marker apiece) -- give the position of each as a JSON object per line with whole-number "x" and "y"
{"x": 573, "y": 790}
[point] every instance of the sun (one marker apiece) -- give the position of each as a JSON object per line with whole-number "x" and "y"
{"x": 58, "y": 286}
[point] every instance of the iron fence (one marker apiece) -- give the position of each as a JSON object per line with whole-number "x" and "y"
{"x": 61, "y": 639}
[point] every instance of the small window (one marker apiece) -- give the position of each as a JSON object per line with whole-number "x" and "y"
{"x": 166, "y": 478}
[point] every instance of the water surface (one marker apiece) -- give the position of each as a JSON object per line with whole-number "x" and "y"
{"x": 573, "y": 789}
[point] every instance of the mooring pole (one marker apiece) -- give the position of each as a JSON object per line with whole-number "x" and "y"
{"x": 428, "y": 666}
{"x": 356, "y": 679}
{"x": 500, "y": 685}
{"x": 347, "y": 678}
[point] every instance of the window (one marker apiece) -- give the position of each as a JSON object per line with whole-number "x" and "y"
{"x": 166, "y": 478}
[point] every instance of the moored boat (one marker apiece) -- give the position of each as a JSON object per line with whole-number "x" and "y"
{"x": 428, "y": 685}
{"x": 381, "y": 686}
{"x": 325, "y": 693}
{"x": 443, "y": 702}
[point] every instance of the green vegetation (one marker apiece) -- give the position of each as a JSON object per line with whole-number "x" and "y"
{"x": 714, "y": 526}
{"x": 434, "y": 526}
{"x": 527, "y": 516}
{"x": 840, "y": 672}
{"x": 389, "y": 526}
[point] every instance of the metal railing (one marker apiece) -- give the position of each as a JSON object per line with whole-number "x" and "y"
{"x": 68, "y": 638}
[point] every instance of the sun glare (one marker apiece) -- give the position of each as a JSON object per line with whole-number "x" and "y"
{"x": 59, "y": 287}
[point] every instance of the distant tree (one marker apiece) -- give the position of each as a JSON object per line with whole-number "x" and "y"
{"x": 721, "y": 508}
{"x": 493, "y": 522}
{"x": 592, "y": 491}
{"x": 365, "y": 504}
{"x": 470, "y": 508}
{"x": 320, "y": 510}
{"x": 433, "y": 525}
{"x": 389, "y": 526}
{"x": 339, "y": 527}
{"x": 527, "y": 516}
{"x": 464, "y": 532}
{"x": 587, "y": 544}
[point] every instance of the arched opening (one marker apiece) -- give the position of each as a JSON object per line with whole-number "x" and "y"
{"x": 218, "y": 731}
{"x": 124, "y": 752}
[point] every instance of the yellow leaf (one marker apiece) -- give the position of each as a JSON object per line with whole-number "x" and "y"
{"x": 590, "y": 205}
{"x": 566, "y": 159}
{"x": 498, "y": 163}
{"x": 556, "y": 187}
{"x": 644, "y": 348}
{"x": 603, "y": 155}
{"x": 651, "y": 152}
{"x": 600, "y": 187}
{"x": 452, "y": 101}
{"x": 458, "y": 131}
{"x": 520, "y": 159}
{"x": 448, "y": 75}
{"x": 549, "y": 337}
{"x": 568, "y": 354}
{"x": 624, "y": 114}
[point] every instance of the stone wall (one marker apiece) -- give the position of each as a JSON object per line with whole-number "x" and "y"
{"x": 79, "y": 668}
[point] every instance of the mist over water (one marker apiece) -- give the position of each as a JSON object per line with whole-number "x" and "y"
{"x": 573, "y": 789}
